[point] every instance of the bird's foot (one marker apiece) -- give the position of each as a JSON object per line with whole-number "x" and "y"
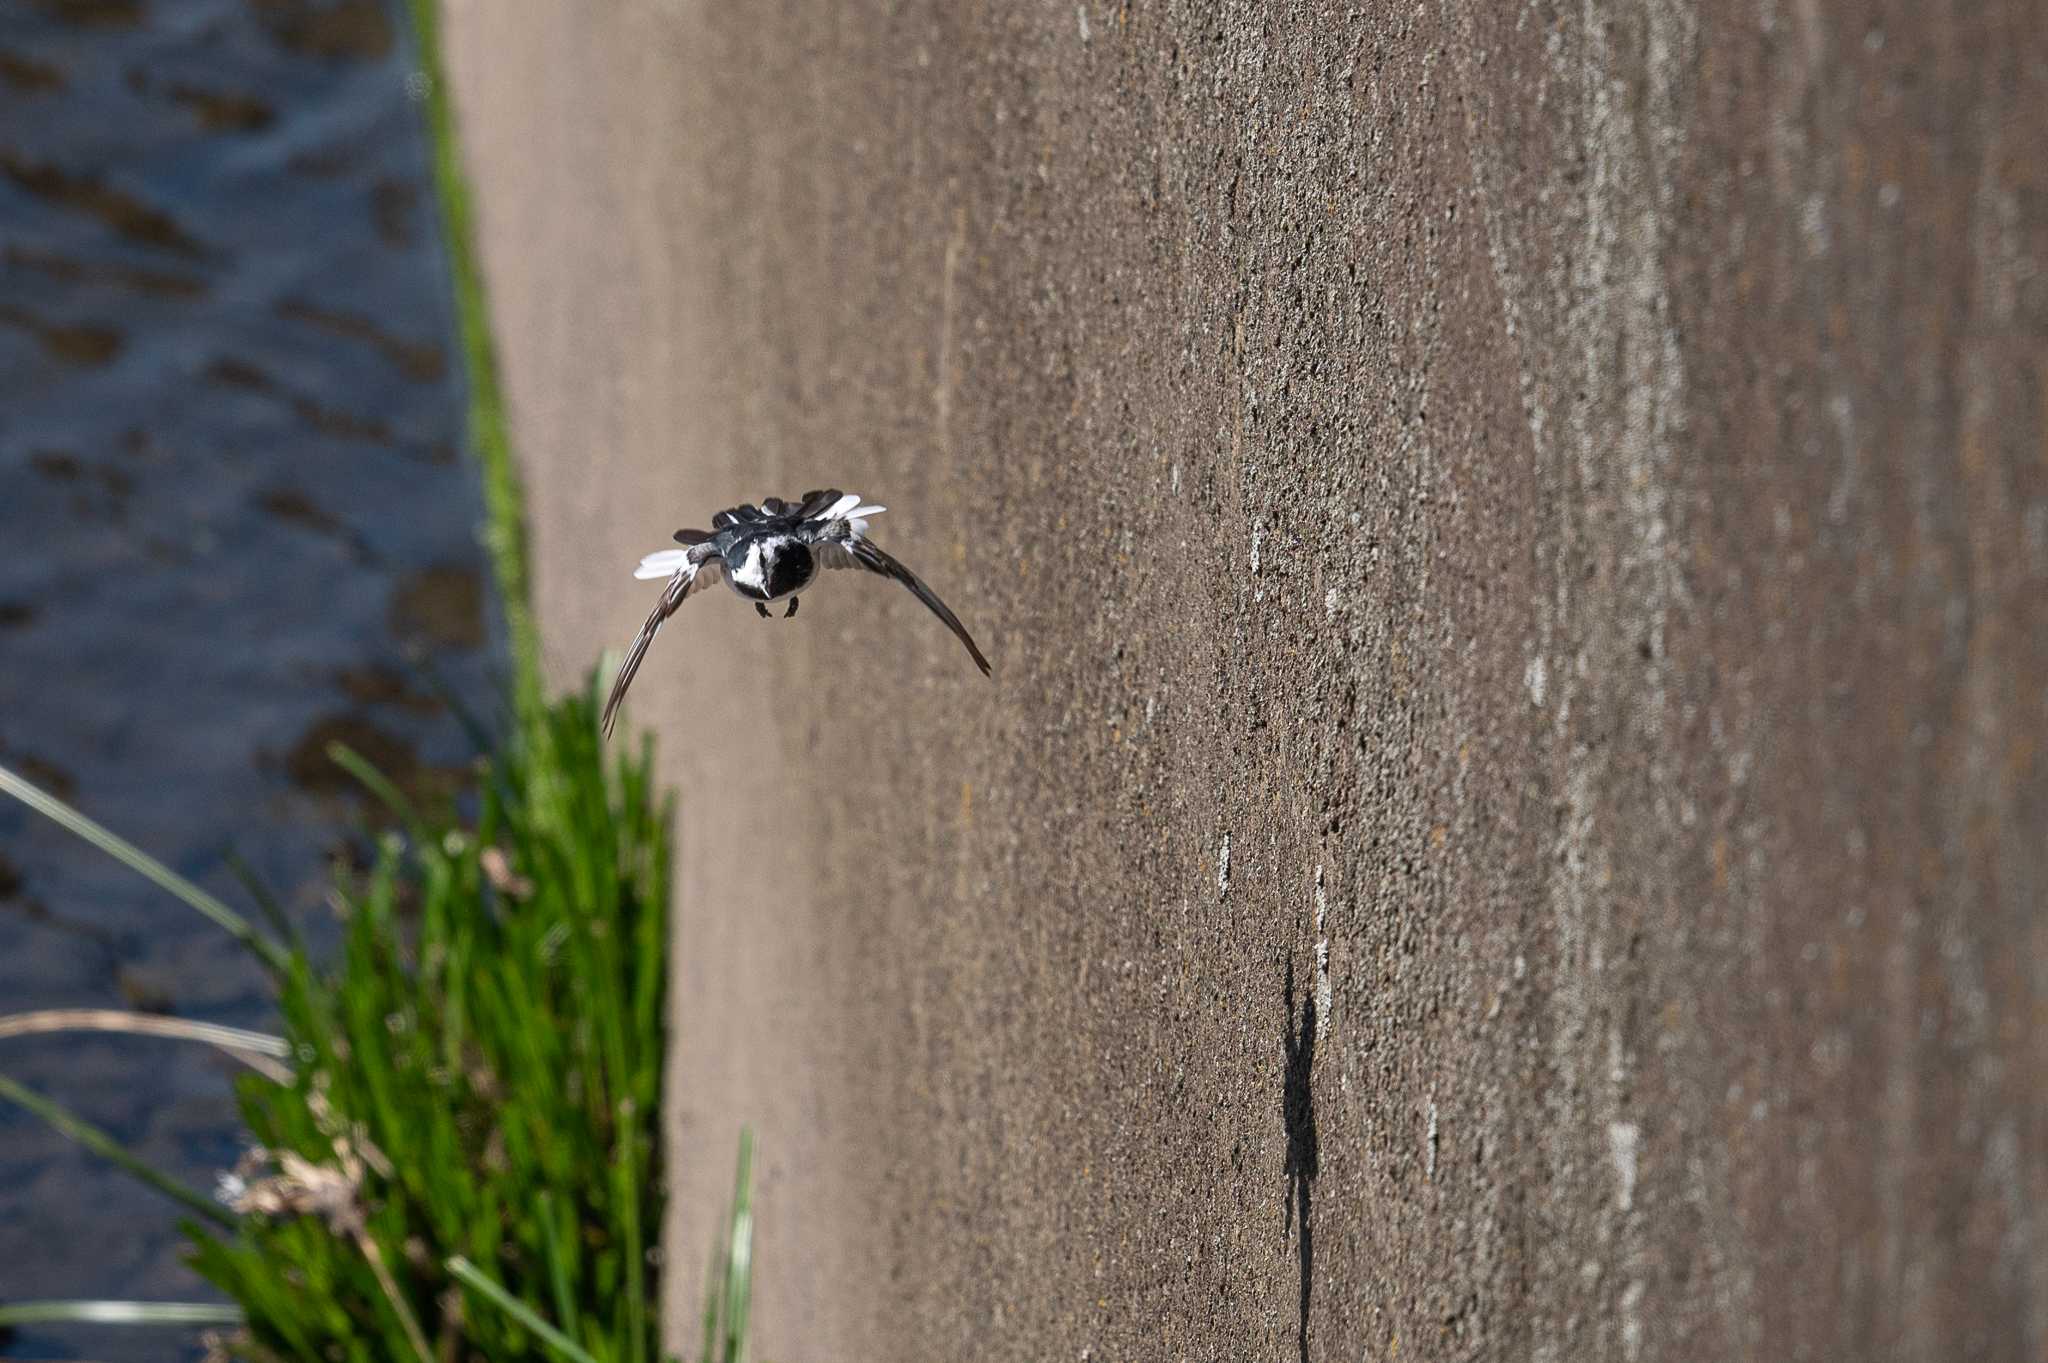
{"x": 761, "y": 610}
{"x": 792, "y": 609}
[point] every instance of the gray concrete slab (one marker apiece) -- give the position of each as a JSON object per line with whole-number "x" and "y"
{"x": 1509, "y": 820}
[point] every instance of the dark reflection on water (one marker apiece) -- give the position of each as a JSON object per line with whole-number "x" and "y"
{"x": 231, "y": 509}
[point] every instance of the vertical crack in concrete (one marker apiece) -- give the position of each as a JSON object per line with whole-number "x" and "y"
{"x": 1298, "y": 1111}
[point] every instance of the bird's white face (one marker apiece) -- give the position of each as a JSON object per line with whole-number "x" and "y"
{"x": 751, "y": 574}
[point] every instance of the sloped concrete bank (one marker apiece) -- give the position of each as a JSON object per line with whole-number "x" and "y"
{"x": 1509, "y": 821}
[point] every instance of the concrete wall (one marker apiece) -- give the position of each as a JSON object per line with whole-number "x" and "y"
{"x": 1510, "y": 817}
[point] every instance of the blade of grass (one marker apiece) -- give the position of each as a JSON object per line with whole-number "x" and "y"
{"x": 142, "y": 863}
{"x": 119, "y": 1313}
{"x": 740, "y": 1283}
{"x": 474, "y": 1278}
{"x": 374, "y": 781}
{"x": 105, "y": 1146}
{"x": 253, "y": 886}
{"x": 254, "y": 1049}
{"x": 558, "y": 1264}
{"x": 729, "y": 1293}
{"x": 387, "y": 1284}
{"x": 628, "y": 1200}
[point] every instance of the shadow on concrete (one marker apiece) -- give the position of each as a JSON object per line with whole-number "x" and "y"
{"x": 1298, "y": 1110}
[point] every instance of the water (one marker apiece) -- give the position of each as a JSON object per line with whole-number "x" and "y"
{"x": 232, "y": 509}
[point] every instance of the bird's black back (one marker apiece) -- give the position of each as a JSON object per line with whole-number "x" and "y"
{"x": 736, "y": 524}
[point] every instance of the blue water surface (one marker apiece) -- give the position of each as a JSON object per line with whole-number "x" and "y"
{"x": 236, "y": 525}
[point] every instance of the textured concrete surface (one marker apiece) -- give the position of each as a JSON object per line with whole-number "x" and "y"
{"x": 1510, "y": 820}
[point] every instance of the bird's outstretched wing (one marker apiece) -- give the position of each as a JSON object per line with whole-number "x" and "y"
{"x": 839, "y": 540}
{"x": 691, "y": 571}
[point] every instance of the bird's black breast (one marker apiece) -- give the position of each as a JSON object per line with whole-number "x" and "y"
{"x": 790, "y": 567}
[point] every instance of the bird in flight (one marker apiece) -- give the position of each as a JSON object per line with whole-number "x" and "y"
{"x": 772, "y": 552}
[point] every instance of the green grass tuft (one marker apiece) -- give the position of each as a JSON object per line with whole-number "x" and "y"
{"x": 488, "y": 1043}
{"x": 467, "y": 1139}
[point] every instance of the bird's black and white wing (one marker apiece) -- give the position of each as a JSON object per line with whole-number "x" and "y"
{"x": 688, "y": 571}
{"x": 838, "y": 536}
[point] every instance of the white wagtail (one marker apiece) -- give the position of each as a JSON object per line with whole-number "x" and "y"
{"x": 771, "y": 552}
